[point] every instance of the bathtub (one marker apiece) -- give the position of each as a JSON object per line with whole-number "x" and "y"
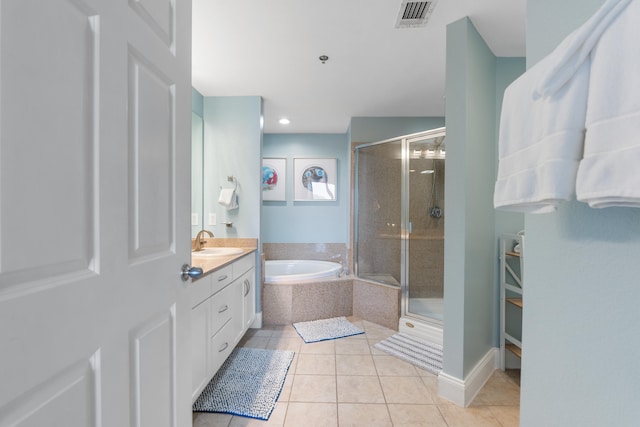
{"x": 299, "y": 271}
{"x": 298, "y": 291}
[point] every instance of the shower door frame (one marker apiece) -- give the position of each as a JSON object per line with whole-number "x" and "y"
{"x": 426, "y": 327}
{"x": 357, "y": 210}
{"x": 412, "y": 323}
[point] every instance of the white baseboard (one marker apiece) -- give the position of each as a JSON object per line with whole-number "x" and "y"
{"x": 462, "y": 392}
{"x": 257, "y": 321}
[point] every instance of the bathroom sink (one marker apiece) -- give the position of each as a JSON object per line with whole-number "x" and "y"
{"x": 210, "y": 252}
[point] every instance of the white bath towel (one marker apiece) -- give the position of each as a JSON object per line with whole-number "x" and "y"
{"x": 569, "y": 56}
{"x": 609, "y": 173}
{"x": 228, "y": 198}
{"x": 540, "y": 142}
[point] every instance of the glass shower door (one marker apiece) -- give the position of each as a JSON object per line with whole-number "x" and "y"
{"x": 424, "y": 291}
{"x": 379, "y": 212}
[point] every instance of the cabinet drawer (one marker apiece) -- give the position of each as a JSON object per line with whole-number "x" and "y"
{"x": 221, "y": 346}
{"x": 222, "y": 277}
{"x": 222, "y": 308}
{"x": 200, "y": 290}
{"x": 243, "y": 264}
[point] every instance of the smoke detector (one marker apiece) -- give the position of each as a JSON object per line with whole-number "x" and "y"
{"x": 414, "y": 14}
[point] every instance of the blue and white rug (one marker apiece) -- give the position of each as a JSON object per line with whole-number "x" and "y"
{"x": 248, "y": 383}
{"x": 326, "y": 329}
{"x": 422, "y": 354}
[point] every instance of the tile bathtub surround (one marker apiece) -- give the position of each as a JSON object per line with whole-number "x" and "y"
{"x": 336, "y": 252}
{"x": 323, "y": 300}
{"x": 284, "y": 304}
{"x": 346, "y": 382}
{"x": 277, "y": 304}
{"x": 376, "y": 303}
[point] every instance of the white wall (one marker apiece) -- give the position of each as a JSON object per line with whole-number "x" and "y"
{"x": 581, "y": 325}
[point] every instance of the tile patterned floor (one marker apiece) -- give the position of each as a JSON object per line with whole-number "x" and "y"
{"x": 346, "y": 382}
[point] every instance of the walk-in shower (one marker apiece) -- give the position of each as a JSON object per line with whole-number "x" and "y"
{"x": 400, "y": 214}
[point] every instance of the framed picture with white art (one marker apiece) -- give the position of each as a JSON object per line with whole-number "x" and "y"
{"x": 274, "y": 178}
{"x": 315, "y": 180}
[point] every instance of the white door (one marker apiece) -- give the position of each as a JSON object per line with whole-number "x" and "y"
{"x": 94, "y": 209}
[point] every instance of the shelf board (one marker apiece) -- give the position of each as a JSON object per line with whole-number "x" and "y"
{"x": 515, "y": 301}
{"x": 514, "y": 349}
{"x": 513, "y": 340}
{"x": 510, "y": 253}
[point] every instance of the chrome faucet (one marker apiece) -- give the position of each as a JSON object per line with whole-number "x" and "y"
{"x": 197, "y": 244}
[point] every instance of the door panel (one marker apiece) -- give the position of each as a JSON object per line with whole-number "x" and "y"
{"x": 151, "y": 148}
{"x": 154, "y": 368}
{"x": 76, "y": 385}
{"x": 30, "y": 181}
{"x": 94, "y": 212}
{"x": 158, "y": 15}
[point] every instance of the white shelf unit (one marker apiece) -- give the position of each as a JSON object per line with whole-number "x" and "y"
{"x": 511, "y": 296}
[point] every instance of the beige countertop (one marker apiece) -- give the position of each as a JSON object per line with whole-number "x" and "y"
{"x": 213, "y": 263}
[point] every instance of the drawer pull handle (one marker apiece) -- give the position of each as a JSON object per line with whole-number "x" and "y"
{"x": 224, "y": 347}
{"x": 223, "y": 308}
{"x": 221, "y": 278}
{"x": 247, "y": 287}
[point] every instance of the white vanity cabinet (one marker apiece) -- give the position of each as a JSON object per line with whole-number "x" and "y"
{"x": 249, "y": 297}
{"x": 219, "y": 317}
{"x": 200, "y": 336}
{"x": 244, "y": 271}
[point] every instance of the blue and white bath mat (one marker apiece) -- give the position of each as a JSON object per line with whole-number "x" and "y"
{"x": 326, "y": 329}
{"x": 422, "y": 354}
{"x": 248, "y": 383}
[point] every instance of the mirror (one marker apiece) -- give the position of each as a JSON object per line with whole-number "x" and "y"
{"x": 197, "y": 169}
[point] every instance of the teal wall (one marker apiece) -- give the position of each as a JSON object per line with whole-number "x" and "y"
{"x": 507, "y": 70}
{"x": 581, "y": 324}
{"x": 307, "y": 222}
{"x": 232, "y": 146}
{"x": 326, "y": 222}
{"x": 372, "y": 129}
{"x": 197, "y": 133}
{"x": 197, "y": 102}
{"x": 469, "y": 296}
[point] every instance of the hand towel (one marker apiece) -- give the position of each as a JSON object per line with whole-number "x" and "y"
{"x": 609, "y": 173}
{"x": 540, "y": 142}
{"x": 571, "y": 53}
{"x": 228, "y": 198}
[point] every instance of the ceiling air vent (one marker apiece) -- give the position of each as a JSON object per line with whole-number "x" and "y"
{"x": 414, "y": 13}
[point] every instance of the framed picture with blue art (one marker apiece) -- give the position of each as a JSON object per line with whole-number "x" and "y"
{"x": 315, "y": 180}
{"x": 274, "y": 173}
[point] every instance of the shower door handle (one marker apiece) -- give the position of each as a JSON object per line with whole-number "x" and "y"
{"x": 410, "y": 227}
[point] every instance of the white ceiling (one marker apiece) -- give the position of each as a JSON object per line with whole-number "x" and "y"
{"x": 270, "y": 48}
